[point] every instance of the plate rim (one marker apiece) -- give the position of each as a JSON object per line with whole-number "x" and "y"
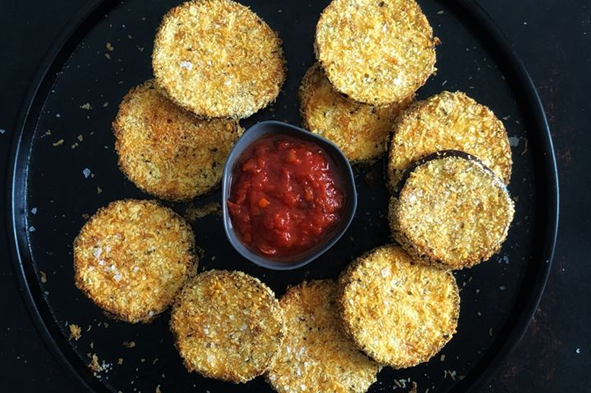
{"x": 547, "y": 193}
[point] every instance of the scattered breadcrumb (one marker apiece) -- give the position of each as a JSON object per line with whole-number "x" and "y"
{"x": 525, "y": 147}
{"x": 43, "y": 276}
{"x": 450, "y": 373}
{"x": 86, "y": 106}
{"x": 128, "y": 344}
{"x": 58, "y": 143}
{"x": 75, "y": 332}
{"x": 193, "y": 213}
{"x": 95, "y": 365}
{"x": 513, "y": 140}
{"x": 370, "y": 178}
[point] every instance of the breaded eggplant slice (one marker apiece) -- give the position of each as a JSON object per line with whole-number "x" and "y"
{"x": 398, "y": 312}
{"x": 228, "y": 325}
{"x": 377, "y": 52}
{"x": 361, "y": 131}
{"x": 217, "y": 58}
{"x": 132, "y": 257}
{"x": 316, "y": 355}
{"x": 166, "y": 151}
{"x": 449, "y": 121}
{"x": 452, "y": 211}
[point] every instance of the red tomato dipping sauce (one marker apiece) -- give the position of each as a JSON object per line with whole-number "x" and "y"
{"x": 285, "y": 196}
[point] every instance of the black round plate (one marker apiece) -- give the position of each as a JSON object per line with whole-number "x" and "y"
{"x": 64, "y": 168}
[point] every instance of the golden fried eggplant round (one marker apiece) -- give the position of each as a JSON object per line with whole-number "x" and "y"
{"x": 361, "y": 131}
{"x": 316, "y": 355}
{"x": 377, "y": 52}
{"x": 132, "y": 257}
{"x": 451, "y": 212}
{"x": 228, "y": 325}
{"x": 449, "y": 121}
{"x": 398, "y": 312}
{"x": 217, "y": 58}
{"x": 166, "y": 151}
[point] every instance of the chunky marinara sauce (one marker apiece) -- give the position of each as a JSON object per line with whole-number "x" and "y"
{"x": 285, "y": 196}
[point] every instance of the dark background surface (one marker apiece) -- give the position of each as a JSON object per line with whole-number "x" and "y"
{"x": 552, "y": 37}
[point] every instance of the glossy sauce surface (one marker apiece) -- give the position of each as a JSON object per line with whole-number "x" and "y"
{"x": 285, "y": 196}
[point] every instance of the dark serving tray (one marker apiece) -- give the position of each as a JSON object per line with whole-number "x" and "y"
{"x": 63, "y": 168}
